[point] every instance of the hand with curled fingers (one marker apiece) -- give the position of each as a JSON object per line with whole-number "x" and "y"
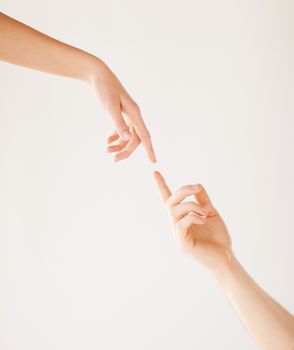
{"x": 199, "y": 230}
{"x": 130, "y": 129}
{"x": 25, "y": 46}
{"x": 122, "y": 148}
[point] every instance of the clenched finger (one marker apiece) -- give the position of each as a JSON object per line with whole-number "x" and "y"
{"x": 179, "y": 195}
{"x": 177, "y": 212}
{"x": 129, "y": 148}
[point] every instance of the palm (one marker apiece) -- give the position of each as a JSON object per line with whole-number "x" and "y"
{"x": 209, "y": 242}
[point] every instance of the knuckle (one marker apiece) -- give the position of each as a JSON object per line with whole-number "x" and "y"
{"x": 119, "y": 123}
{"x": 136, "y": 140}
{"x": 135, "y": 107}
{"x": 185, "y": 188}
{"x": 194, "y": 206}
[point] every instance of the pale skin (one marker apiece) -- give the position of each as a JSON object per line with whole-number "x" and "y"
{"x": 25, "y": 46}
{"x": 198, "y": 228}
{"x": 200, "y": 232}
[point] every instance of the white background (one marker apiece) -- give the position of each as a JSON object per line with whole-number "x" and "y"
{"x": 87, "y": 260}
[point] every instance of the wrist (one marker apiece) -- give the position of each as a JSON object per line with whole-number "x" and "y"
{"x": 92, "y": 69}
{"x": 222, "y": 271}
{"x": 228, "y": 278}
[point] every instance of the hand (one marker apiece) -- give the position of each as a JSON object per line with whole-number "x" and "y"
{"x": 199, "y": 229}
{"x": 130, "y": 129}
{"x": 25, "y": 46}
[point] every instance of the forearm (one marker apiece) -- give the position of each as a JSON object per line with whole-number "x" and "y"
{"x": 270, "y": 325}
{"x": 25, "y": 46}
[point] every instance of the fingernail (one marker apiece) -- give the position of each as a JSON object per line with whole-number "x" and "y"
{"x": 126, "y": 135}
{"x": 196, "y": 187}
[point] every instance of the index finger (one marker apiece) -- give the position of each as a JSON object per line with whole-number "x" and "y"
{"x": 143, "y": 133}
{"x": 162, "y": 186}
{"x": 145, "y": 138}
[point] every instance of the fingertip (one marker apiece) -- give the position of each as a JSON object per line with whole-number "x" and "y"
{"x": 151, "y": 154}
{"x": 117, "y": 159}
{"x": 122, "y": 155}
{"x": 201, "y": 188}
{"x": 109, "y": 139}
{"x": 112, "y": 138}
{"x": 196, "y": 188}
{"x": 157, "y": 175}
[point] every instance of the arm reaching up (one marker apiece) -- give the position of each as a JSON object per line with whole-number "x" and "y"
{"x": 200, "y": 231}
{"x": 25, "y": 46}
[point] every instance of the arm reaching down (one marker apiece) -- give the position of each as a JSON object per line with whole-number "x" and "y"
{"x": 200, "y": 231}
{"x": 25, "y": 46}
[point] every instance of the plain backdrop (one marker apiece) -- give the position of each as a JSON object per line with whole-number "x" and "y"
{"x": 87, "y": 259}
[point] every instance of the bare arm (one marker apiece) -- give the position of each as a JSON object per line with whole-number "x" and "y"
{"x": 201, "y": 232}
{"x": 25, "y": 46}
{"x": 269, "y": 324}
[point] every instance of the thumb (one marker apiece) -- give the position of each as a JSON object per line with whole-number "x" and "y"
{"x": 203, "y": 198}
